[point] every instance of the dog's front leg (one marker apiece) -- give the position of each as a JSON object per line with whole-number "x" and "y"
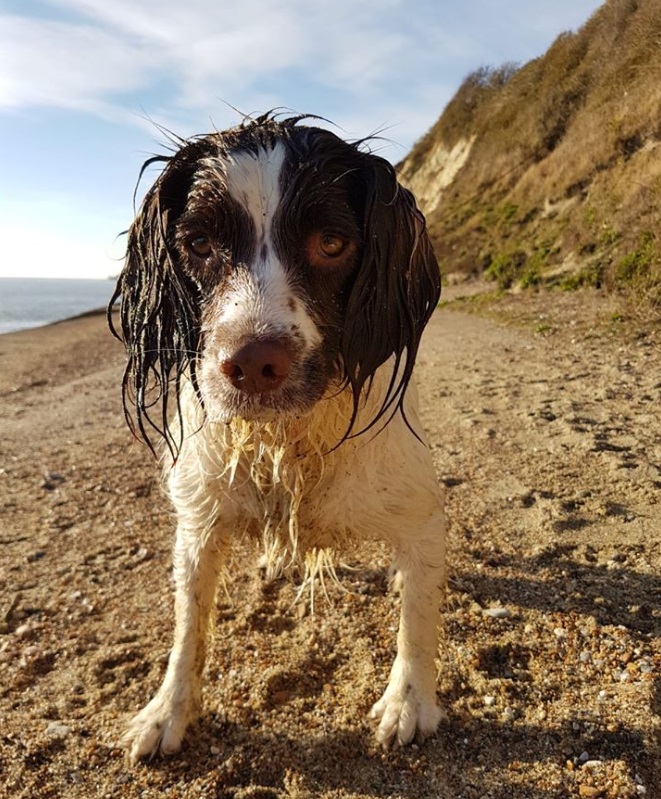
{"x": 161, "y": 724}
{"x": 409, "y": 702}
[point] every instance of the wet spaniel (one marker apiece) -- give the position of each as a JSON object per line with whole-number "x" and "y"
{"x": 276, "y": 286}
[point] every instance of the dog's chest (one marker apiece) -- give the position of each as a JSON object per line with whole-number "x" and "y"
{"x": 295, "y": 493}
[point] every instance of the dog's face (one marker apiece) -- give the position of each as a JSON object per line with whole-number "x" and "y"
{"x": 273, "y": 244}
{"x": 272, "y": 264}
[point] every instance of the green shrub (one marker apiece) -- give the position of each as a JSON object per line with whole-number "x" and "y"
{"x": 590, "y": 276}
{"x": 506, "y": 268}
{"x": 636, "y": 265}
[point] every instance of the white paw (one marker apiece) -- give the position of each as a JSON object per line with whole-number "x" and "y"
{"x": 159, "y": 726}
{"x": 403, "y": 711}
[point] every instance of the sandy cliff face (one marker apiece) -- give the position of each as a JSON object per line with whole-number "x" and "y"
{"x": 437, "y": 171}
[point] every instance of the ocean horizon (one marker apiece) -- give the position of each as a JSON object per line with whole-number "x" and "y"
{"x": 33, "y": 302}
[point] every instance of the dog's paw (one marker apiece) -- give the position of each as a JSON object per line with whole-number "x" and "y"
{"x": 159, "y": 726}
{"x": 402, "y": 712}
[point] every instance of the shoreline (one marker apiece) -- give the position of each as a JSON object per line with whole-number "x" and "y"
{"x": 94, "y": 312}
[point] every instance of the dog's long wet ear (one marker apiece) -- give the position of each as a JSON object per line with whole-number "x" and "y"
{"x": 396, "y": 289}
{"x": 159, "y": 310}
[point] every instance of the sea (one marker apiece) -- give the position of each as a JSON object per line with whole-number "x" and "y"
{"x": 32, "y": 302}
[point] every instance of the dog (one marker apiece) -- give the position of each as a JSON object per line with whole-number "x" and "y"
{"x": 276, "y": 285}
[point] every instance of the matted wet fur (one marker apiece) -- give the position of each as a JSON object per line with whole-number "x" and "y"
{"x": 276, "y": 286}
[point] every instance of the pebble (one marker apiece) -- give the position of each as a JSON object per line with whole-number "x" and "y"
{"x": 52, "y": 480}
{"x": 589, "y": 791}
{"x": 489, "y": 701}
{"x": 497, "y": 613}
{"x": 143, "y": 554}
{"x": 23, "y": 631}
{"x": 58, "y": 730}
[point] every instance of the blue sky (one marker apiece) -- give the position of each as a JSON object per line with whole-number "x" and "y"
{"x": 82, "y": 83}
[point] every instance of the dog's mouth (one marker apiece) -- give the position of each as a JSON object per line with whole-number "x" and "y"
{"x": 266, "y": 407}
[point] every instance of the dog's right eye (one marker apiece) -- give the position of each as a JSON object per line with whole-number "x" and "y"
{"x": 200, "y": 246}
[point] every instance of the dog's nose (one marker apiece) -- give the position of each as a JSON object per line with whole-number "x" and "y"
{"x": 258, "y": 367}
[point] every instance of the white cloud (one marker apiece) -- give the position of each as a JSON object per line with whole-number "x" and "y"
{"x": 195, "y": 51}
{"x": 180, "y": 60}
{"x": 45, "y": 63}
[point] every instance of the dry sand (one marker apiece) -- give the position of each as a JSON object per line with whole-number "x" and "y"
{"x": 544, "y": 420}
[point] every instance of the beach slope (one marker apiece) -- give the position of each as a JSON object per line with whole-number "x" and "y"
{"x": 545, "y": 427}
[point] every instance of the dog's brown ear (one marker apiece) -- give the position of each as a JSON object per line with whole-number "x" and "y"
{"x": 396, "y": 289}
{"x": 159, "y": 315}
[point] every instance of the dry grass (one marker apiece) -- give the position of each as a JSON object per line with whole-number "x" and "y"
{"x": 566, "y": 159}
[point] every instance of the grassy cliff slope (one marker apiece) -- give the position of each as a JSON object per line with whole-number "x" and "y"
{"x": 551, "y": 171}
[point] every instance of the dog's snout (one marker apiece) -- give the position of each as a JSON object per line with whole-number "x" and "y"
{"x": 258, "y": 367}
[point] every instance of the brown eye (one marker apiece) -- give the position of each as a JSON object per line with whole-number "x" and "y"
{"x": 327, "y": 250}
{"x": 331, "y": 245}
{"x": 200, "y": 246}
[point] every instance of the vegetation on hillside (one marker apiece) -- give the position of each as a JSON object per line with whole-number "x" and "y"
{"x": 563, "y": 180}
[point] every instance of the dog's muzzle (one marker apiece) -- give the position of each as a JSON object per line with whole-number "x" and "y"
{"x": 258, "y": 367}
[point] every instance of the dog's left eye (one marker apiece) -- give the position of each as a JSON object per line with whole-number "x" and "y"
{"x": 331, "y": 245}
{"x": 324, "y": 247}
{"x": 200, "y": 246}
{"x": 329, "y": 250}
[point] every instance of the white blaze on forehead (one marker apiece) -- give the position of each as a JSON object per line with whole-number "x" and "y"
{"x": 260, "y": 299}
{"x": 253, "y": 180}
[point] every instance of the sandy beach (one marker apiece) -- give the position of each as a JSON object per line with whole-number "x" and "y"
{"x": 543, "y": 416}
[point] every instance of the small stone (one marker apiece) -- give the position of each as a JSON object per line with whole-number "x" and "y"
{"x": 214, "y": 750}
{"x": 589, "y": 791}
{"x": 497, "y": 613}
{"x": 489, "y": 701}
{"x": 23, "y": 631}
{"x": 58, "y": 730}
{"x": 52, "y": 480}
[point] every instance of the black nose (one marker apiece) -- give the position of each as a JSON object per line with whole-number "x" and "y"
{"x": 258, "y": 367}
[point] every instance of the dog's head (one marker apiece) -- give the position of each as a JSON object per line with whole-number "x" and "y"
{"x": 270, "y": 265}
